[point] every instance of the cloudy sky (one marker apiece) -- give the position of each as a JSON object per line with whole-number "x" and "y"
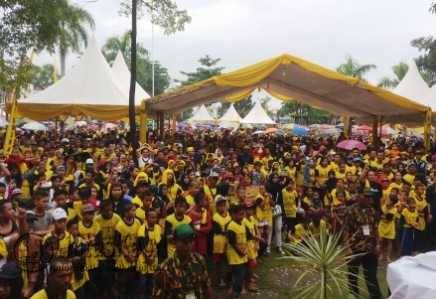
{"x": 242, "y": 32}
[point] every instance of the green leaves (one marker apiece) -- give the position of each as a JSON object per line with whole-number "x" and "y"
{"x": 163, "y": 13}
{"x": 353, "y": 68}
{"x": 324, "y": 262}
{"x": 143, "y": 63}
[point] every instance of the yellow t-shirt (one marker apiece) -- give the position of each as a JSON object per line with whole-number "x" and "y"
{"x": 220, "y": 240}
{"x": 107, "y": 227}
{"x": 92, "y": 255}
{"x": 336, "y": 201}
{"x": 252, "y": 244}
{"x": 147, "y": 260}
{"x": 300, "y": 232}
{"x": 42, "y": 294}
{"x": 409, "y": 178}
{"x": 264, "y": 214}
{"x": 386, "y": 226}
{"x": 128, "y": 234}
{"x": 411, "y": 218}
{"x": 63, "y": 244}
{"x": 171, "y": 249}
{"x": 290, "y": 202}
{"x": 233, "y": 257}
{"x": 323, "y": 173}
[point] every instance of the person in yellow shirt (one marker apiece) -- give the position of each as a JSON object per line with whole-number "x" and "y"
{"x": 107, "y": 220}
{"x": 58, "y": 281}
{"x": 60, "y": 233}
{"x": 322, "y": 171}
{"x": 253, "y": 239}
{"x": 219, "y": 223}
{"x": 174, "y": 220}
{"x": 410, "y": 218}
{"x": 149, "y": 236}
{"x": 264, "y": 216}
{"x": 126, "y": 234}
{"x": 386, "y": 227}
{"x": 88, "y": 230}
{"x": 423, "y": 209}
{"x": 300, "y": 231}
{"x": 290, "y": 202}
{"x": 237, "y": 249}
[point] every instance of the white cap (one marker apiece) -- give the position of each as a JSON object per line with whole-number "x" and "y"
{"x": 89, "y": 161}
{"x": 59, "y": 214}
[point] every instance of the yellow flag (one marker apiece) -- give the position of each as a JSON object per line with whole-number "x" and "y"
{"x": 10, "y": 131}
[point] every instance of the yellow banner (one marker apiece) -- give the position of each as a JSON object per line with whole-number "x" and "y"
{"x": 10, "y": 131}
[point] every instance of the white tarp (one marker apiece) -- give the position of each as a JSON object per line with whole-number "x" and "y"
{"x": 231, "y": 115}
{"x": 201, "y": 115}
{"x": 122, "y": 73}
{"x": 413, "y": 277}
{"x": 414, "y": 87}
{"x": 257, "y": 116}
{"x": 34, "y": 126}
{"x": 90, "y": 82}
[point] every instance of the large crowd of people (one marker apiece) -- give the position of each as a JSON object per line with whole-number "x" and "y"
{"x": 79, "y": 218}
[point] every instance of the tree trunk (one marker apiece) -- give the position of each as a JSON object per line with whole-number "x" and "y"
{"x": 132, "y": 121}
{"x": 63, "y": 58}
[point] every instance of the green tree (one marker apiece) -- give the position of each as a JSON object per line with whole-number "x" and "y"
{"x": 26, "y": 25}
{"x": 207, "y": 69}
{"x": 353, "y": 68}
{"x": 143, "y": 63}
{"x": 244, "y": 106}
{"x": 163, "y": 13}
{"x": 426, "y": 61}
{"x": 399, "y": 70}
{"x": 73, "y": 31}
{"x": 303, "y": 114}
{"x": 43, "y": 76}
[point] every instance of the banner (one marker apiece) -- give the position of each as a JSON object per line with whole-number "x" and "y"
{"x": 10, "y": 131}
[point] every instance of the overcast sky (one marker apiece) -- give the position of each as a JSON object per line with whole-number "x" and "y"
{"x": 242, "y": 32}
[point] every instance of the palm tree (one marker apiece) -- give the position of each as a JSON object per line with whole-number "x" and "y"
{"x": 72, "y": 31}
{"x": 353, "y": 68}
{"x": 400, "y": 70}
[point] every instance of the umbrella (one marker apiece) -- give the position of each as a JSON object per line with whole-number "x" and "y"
{"x": 80, "y": 123}
{"x": 271, "y": 130}
{"x": 300, "y": 131}
{"x": 34, "y": 126}
{"x": 351, "y": 145}
{"x": 258, "y": 132}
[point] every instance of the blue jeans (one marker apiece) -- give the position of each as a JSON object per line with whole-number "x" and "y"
{"x": 146, "y": 285}
{"x": 238, "y": 277}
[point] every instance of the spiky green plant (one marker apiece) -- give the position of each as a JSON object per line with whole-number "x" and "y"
{"x": 323, "y": 260}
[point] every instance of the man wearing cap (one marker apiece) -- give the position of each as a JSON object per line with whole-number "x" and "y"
{"x": 183, "y": 276}
{"x": 64, "y": 239}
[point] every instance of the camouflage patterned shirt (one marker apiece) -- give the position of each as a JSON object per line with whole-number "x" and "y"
{"x": 174, "y": 280}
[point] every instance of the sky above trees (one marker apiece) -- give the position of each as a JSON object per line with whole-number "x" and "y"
{"x": 245, "y": 31}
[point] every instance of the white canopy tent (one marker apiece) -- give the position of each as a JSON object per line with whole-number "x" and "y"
{"x": 257, "y": 116}
{"x": 122, "y": 74}
{"x": 201, "y": 115}
{"x": 414, "y": 87}
{"x": 89, "y": 88}
{"x": 231, "y": 116}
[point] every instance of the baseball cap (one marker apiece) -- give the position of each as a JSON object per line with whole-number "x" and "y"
{"x": 88, "y": 208}
{"x": 59, "y": 214}
{"x": 89, "y": 161}
{"x": 184, "y": 231}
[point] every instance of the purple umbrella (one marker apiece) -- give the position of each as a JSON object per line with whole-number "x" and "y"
{"x": 350, "y": 145}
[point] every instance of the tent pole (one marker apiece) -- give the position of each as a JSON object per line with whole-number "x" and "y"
{"x": 347, "y": 126}
{"x": 375, "y": 124}
{"x": 142, "y": 124}
{"x": 161, "y": 124}
{"x": 427, "y": 130}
